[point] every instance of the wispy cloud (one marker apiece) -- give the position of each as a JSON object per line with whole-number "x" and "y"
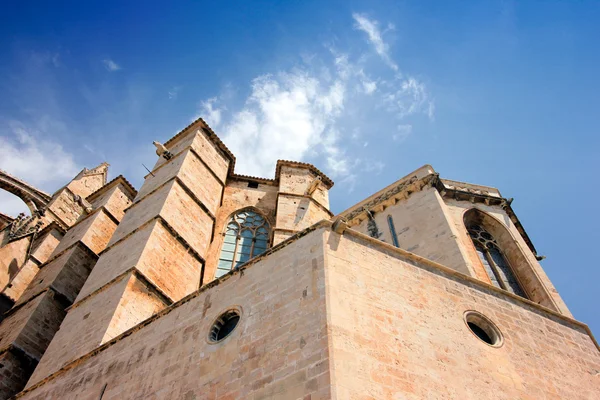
{"x": 286, "y": 116}
{"x": 410, "y": 97}
{"x": 27, "y": 154}
{"x": 371, "y": 28}
{"x": 304, "y": 113}
{"x": 210, "y": 111}
{"x": 110, "y": 65}
{"x": 402, "y": 132}
{"x": 174, "y": 92}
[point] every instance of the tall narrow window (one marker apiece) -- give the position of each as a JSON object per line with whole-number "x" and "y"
{"x": 247, "y": 236}
{"x": 493, "y": 261}
{"x": 393, "y": 231}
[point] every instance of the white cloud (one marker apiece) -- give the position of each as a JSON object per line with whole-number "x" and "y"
{"x": 286, "y": 116}
{"x": 174, "y": 92}
{"x": 110, "y": 65}
{"x": 402, "y": 132}
{"x": 11, "y": 205}
{"x": 211, "y": 113}
{"x": 369, "y": 86}
{"x": 410, "y": 97}
{"x": 374, "y": 166}
{"x": 312, "y": 111}
{"x": 371, "y": 28}
{"x": 40, "y": 162}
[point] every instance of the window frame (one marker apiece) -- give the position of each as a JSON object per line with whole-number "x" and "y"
{"x": 236, "y": 253}
{"x": 484, "y": 248}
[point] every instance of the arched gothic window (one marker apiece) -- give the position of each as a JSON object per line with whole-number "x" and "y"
{"x": 493, "y": 261}
{"x": 247, "y": 236}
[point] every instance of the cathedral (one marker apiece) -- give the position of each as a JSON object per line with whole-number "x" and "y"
{"x": 207, "y": 284}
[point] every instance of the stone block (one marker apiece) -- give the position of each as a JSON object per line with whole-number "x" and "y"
{"x": 21, "y": 281}
{"x": 122, "y": 305}
{"x": 298, "y": 213}
{"x": 156, "y": 254}
{"x": 178, "y": 209}
{"x": 65, "y": 274}
{"x": 422, "y": 227}
{"x": 94, "y": 231}
{"x": 14, "y": 370}
{"x": 12, "y": 257}
{"x": 64, "y": 206}
{"x": 213, "y": 157}
{"x": 115, "y": 200}
{"x": 297, "y": 180}
{"x": 32, "y": 326}
{"x": 278, "y": 350}
{"x": 44, "y": 246}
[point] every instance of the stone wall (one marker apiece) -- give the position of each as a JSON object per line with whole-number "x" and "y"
{"x": 43, "y": 245}
{"x": 115, "y": 199}
{"x": 296, "y": 208}
{"x": 12, "y": 368}
{"x": 155, "y": 256}
{"x": 12, "y": 257}
{"x": 54, "y": 274}
{"x": 422, "y": 227}
{"x": 278, "y": 351}
{"x": 397, "y": 331}
{"x": 343, "y": 317}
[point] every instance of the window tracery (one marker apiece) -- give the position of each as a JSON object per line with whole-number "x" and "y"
{"x": 493, "y": 260}
{"x": 246, "y": 236}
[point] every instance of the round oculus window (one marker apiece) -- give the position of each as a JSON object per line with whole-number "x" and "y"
{"x": 224, "y": 325}
{"x": 484, "y": 329}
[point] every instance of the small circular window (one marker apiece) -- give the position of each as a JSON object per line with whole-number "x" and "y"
{"x": 224, "y": 325}
{"x": 483, "y": 328}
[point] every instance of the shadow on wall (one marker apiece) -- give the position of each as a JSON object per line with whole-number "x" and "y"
{"x": 13, "y": 268}
{"x": 301, "y": 211}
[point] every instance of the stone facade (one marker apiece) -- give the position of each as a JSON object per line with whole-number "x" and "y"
{"x": 114, "y": 293}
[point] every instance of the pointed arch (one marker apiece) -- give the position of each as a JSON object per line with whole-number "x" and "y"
{"x": 492, "y": 243}
{"x": 246, "y": 235}
{"x": 34, "y": 198}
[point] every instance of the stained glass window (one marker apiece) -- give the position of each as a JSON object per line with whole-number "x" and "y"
{"x": 246, "y": 236}
{"x": 493, "y": 260}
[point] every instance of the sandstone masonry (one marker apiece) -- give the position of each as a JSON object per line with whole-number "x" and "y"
{"x": 428, "y": 289}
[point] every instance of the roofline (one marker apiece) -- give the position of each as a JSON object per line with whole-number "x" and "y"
{"x": 297, "y": 164}
{"x": 114, "y": 182}
{"x": 212, "y": 136}
{"x": 473, "y": 196}
{"x": 446, "y": 187}
{"x": 387, "y": 191}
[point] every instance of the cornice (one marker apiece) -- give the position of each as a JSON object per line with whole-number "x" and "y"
{"x": 467, "y": 192}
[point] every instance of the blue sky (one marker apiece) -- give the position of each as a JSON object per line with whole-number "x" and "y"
{"x": 502, "y": 93}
